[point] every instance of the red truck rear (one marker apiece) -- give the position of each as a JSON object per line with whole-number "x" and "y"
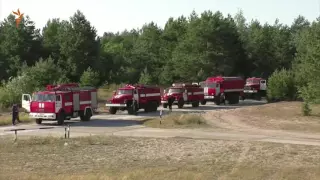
{"x": 183, "y": 94}
{"x": 217, "y": 89}
{"x": 146, "y": 97}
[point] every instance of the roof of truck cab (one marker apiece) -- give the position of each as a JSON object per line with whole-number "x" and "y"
{"x": 255, "y": 78}
{"x": 52, "y": 92}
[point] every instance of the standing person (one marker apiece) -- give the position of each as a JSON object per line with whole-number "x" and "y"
{"x": 224, "y": 99}
{"x": 15, "y": 114}
{"x": 170, "y": 102}
{"x": 134, "y": 103}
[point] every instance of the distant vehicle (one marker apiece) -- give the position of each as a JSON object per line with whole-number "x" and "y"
{"x": 255, "y": 88}
{"x": 184, "y": 94}
{"x": 146, "y": 97}
{"x": 217, "y": 89}
{"x": 61, "y": 102}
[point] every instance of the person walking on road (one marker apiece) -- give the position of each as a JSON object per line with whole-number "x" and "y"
{"x": 15, "y": 114}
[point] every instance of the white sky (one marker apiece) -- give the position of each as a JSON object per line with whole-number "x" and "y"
{"x": 112, "y": 15}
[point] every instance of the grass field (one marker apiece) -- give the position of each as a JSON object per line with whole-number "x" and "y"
{"x": 149, "y": 158}
{"x": 6, "y": 118}
{"x": 177, "y": 120}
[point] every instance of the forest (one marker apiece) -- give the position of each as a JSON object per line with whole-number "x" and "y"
{"x": 187, "y": 49}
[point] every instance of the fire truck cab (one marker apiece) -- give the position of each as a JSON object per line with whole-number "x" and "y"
{"x": 145, "y": 97}
{"x": 219, "y": 88}
{"x": 61, "y": 102}
{"x": 183, "y": 93}
{"x": 255, "y": 88}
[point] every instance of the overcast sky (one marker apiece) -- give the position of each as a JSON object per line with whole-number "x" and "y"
{"x": 117, "y": 15}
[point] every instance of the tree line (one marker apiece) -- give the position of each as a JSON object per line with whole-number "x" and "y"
{"x": 187, "y": 49}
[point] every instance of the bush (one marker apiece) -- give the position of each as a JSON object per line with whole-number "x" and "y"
{"x": 281, "y": 86}
{"x": 90, "y": 78}
{"x": 31, "y": 79}
{"x": 145, "y": 77}
{"x": 11, "y": 91}
{"x": 190, "y": 119}
{"x": 311, "y": 95}
{"x": 306, "y": 109}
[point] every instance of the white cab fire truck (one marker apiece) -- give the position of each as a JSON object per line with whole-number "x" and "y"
{"x": 61, "y": 102}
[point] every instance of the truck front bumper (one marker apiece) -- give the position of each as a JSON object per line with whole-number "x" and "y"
{"x": 250, "y": 91}
{"x": 208, "y": 97}
{"x": 166, "y": 102}
{"x": 116, "y": 105}
{"x": 42, "y": 116}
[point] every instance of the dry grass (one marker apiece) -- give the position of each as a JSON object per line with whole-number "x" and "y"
{"x": 6, "y": 118}
{"x": 104, "y": 94}
{"x": 278, "y": 116}
{"x": 177, "y": 120}
{"x": 149, "y": 158}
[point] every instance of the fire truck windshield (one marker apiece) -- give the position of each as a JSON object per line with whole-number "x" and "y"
{"x": 43, "y": 97}
{"x": 211, "y": 85}
{"x": 252, "y": 81}
{"x": 124, "y": 91}
{"x": 175, "y": 90}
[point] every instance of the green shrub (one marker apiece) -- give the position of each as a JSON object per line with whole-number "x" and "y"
{"x": 306, "y": 110}
{"x": 90, "y": 78}
{"x": 31, "y": 79}
{"x": 281, "y": 86}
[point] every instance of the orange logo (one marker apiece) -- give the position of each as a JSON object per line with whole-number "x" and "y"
{"x": 20, "y": 16}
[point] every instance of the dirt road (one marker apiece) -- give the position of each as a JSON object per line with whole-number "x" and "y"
{"x": 122, "y": 124}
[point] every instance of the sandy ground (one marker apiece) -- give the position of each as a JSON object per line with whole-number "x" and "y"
{"x": 269, "y": 118}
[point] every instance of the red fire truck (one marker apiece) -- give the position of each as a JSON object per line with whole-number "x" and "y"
{"x": 61, "y": 102}
{"x": 220, "y": 88}
{"x": 184, "y": 94}
{"x": 255, "y": 88}
{"x": 146, "y": 97}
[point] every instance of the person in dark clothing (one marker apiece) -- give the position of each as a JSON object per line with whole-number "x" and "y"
{"x": 170, "y": 102}
{"x": 224, "y": 99}
{"x": 134, "y": 103}
{"x": 15, "y": 114}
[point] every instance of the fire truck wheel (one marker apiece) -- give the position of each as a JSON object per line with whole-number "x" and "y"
{"x": 217, "y": 100}
{"x": 38, "y": 121}
{"x": 257, "y": 97}
{"x": 112, "y": 110}
{"x": 147, "y": 109}
{"x": 195, "y": 104}
{"x": 61, "y": 118}
{"x": 203, "y": 102}
{"x": 180, "y": 103}
{"x": 130, "y": 110}
{"x": 87, "y": 116}
{"x": 154, "y": 106}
